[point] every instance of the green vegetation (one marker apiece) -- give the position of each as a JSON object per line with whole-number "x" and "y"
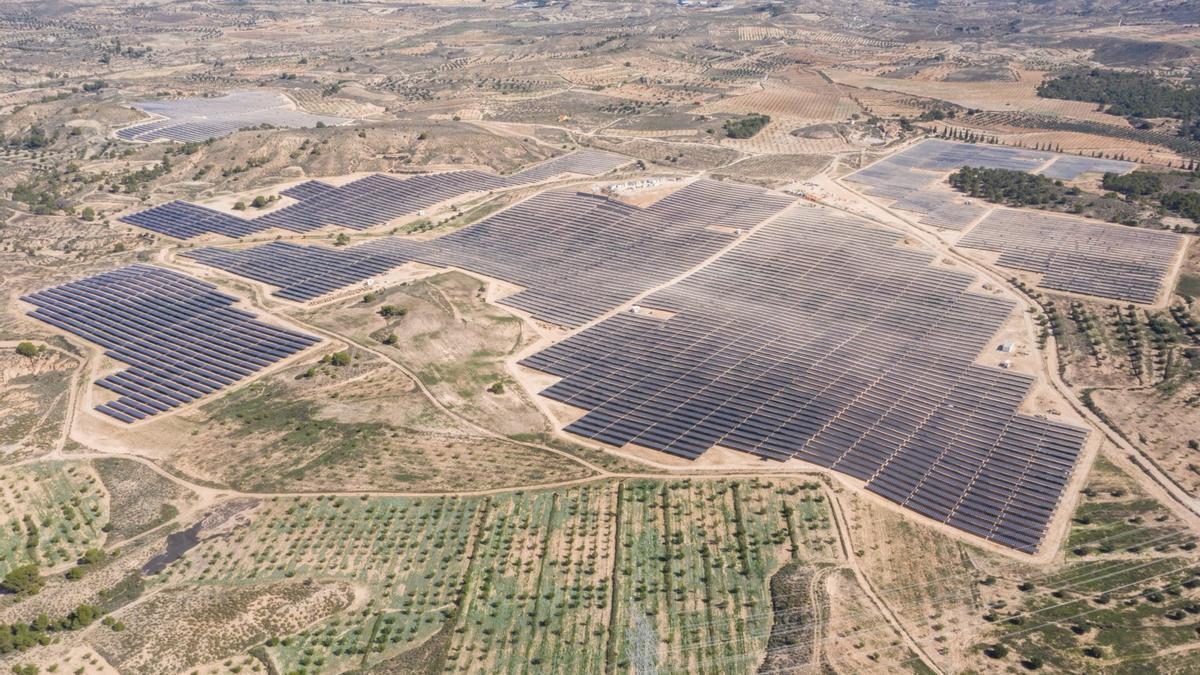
{"x": 29, "y": 349}
{"x": 90, "y": 559}
{"x": 49, "y": 514}
{"x": 745, "y": 127}
{"x": 1009, "y": 187}
{"x": 1188, "y": 286}
{"x": 1154, "y": 189}
{"x": 339, "y": 359}
{"x": 392, "y": 311}
{"x": 23, "y": 580}
{"x": 18, "y": 637}
{"x": 1136, "y": 184}
{"x": 524, "y": 578}
{"x": 1134, "y": 95}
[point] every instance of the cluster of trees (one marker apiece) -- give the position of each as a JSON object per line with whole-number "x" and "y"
{"x": 1133, "y": 95}
{"x": 261, "y": 201}
{"x": 16, "y": 637}
{"x": 1005, "y": 186}
{"x": 1136, "y": 184}
{"x": 23, "y": 580}
{"x": 745, "y": 127}
{"x": 1144, "y": 184}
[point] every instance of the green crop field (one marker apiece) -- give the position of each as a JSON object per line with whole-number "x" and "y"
{"x": 566, "y": 579}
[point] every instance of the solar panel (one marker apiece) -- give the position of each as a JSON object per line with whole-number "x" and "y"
{"x": 201, "y": 118}
{"x": 1077, "y": 255}
{"x": 362, "y": 203}
{"x": 817, "y": 338}
{"x": 180, "y": 337}
{"x": 577, "y": 255}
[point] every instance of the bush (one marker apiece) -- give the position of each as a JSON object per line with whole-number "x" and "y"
{"x": 23, "y": 580}
{"x": 30, "y": 350}
{"x": 340, "y": 359}
{"x": 390, "y": 311}
{"x": 88, "y": 214}
{"x": 239, "y": 206}
{"x": 996, "y": 651}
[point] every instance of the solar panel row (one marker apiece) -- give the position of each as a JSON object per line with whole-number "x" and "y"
{"x": 577, "y": 255}
{"x": 181, "y": 338}
{"x": 817, "y": 338}
{"x": 362, "y": 203}
{"x": 1080, "y": 256}
{"x": 909, "y": 176}
{"x": 200, "y": 119}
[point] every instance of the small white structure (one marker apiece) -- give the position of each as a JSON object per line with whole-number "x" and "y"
{"x": 1007, "y": 347}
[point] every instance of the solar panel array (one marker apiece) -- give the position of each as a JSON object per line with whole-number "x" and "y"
{"x": 362, "y": 203}
{"x": 201, "y": 119}
{"x": 817, "y": 338}
{"x": 909, "y": 176}
{"x": 942, "y": 209}
{"x": 1070, "y": 167}
{"x": 577, "y": 255}
{"x": 181, "y": 338}
{"x": 1080, "y": 256}
{"x": 302, "y": 272}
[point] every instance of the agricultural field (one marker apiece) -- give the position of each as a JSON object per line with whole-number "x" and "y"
{"x": 52, "y": 514}
{"x": 570, "y": 578}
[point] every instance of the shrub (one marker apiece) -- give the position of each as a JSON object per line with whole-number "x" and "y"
{"x": 30, "y": 350}
{"x": 23, "y": 580}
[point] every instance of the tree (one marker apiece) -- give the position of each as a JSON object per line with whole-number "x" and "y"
{"x": 389, "y": 311}
{"x": 745, "y": 127}
{"x": 23, "y": 580}
{"x": 259, "y": 202}
{"x": 342, "y": 239}
{"x": 340, "y": 359}
{"x": 30, "y": 350}
{"x": 88, "y": 214}
{"x": 239, "y": 206}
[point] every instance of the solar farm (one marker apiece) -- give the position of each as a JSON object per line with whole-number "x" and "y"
{"x": 1079, "y": 256}
{"x": 181, "y": 338}
{"x": 911, "y": 178}
{"x": 817, "y": 339}
{"x": 361, "y": 203}
{"x": 577, "y": 255}
{"x": 191, "y": 120}
{"x": 1075, "y": 255}
{"x": 696, "y": 337}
